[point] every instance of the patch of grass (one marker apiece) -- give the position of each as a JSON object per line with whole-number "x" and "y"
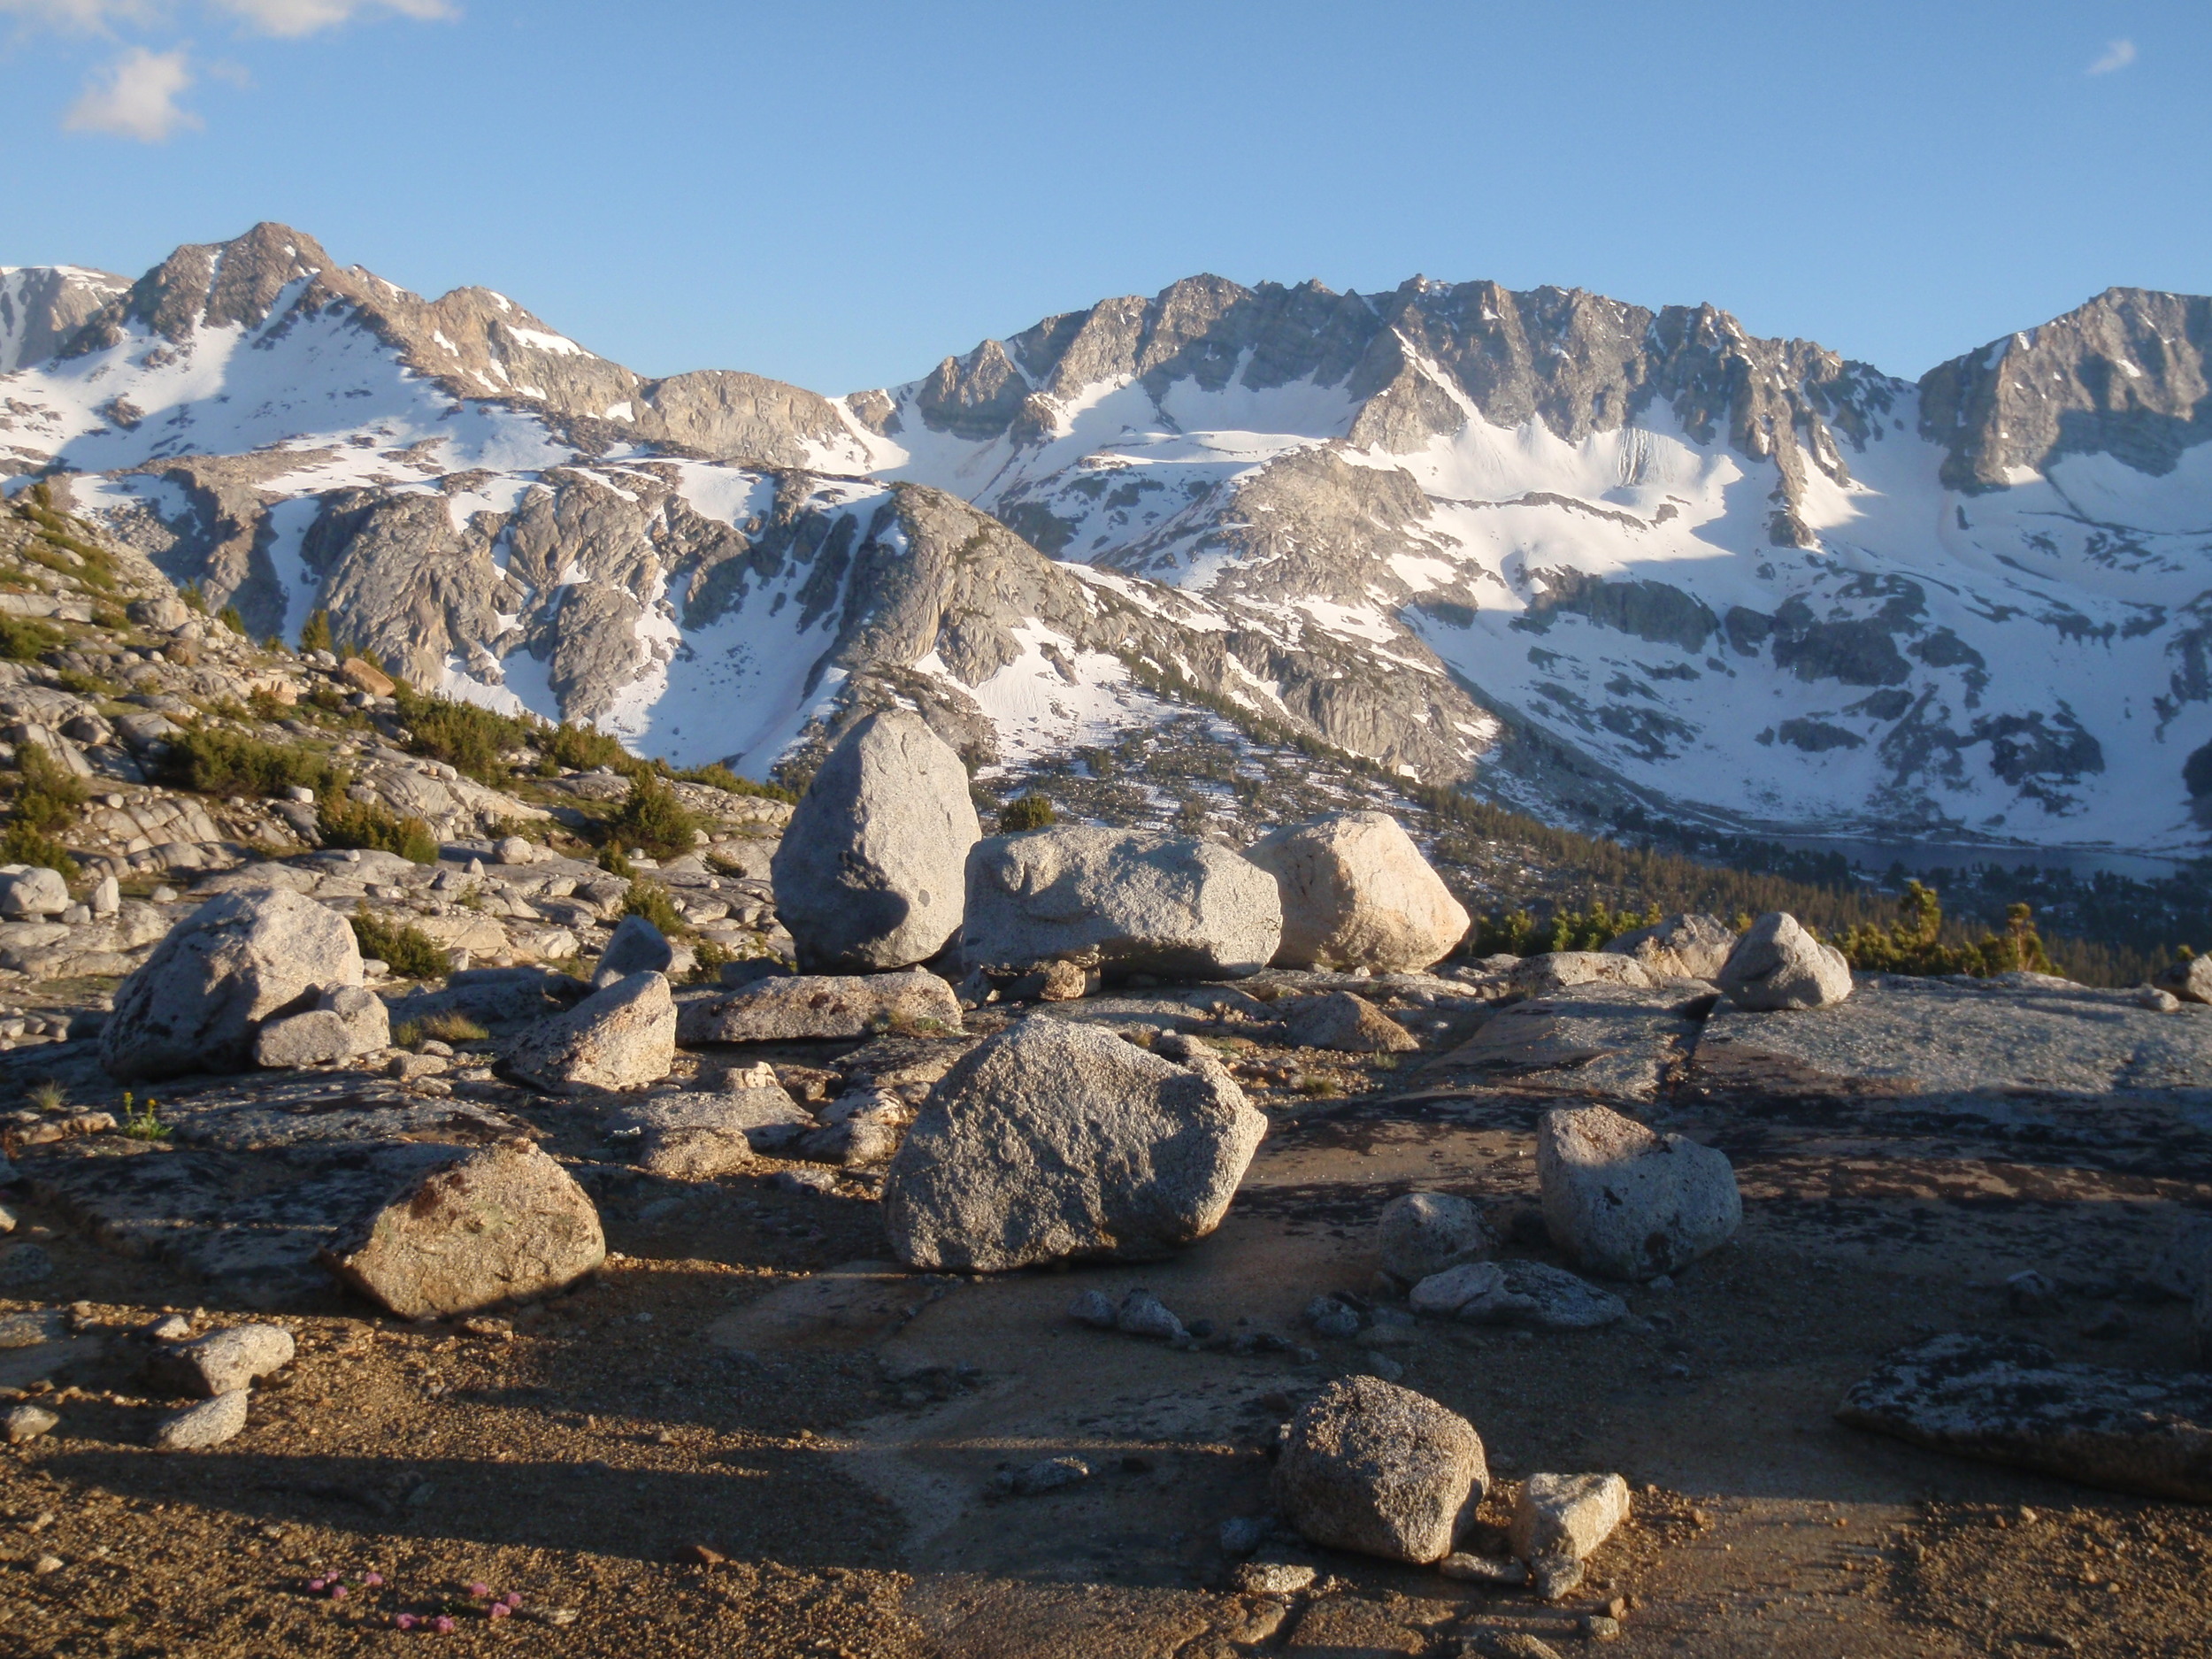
{"x": 407, "y": 1034}
{"x": 1032, "y": 811}
{"x": 710, "y": 956}
{"x": 653, "y": 820}
{"x": 406, "y": 949}
{"x": 650, "y": 900}
{"x": 195, "y": 599}
{"x": 48, "y": 1096}
{"x": 453, "y": 1026}
{"x": 213, "y": 761}
{"x": 25, "y": 639}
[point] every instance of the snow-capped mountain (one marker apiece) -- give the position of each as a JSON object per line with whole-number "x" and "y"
{"x": 1574, "y": 550}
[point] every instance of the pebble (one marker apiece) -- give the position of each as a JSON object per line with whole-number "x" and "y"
{"x": 1600, "y": 1627}
{"x": 1093, "y": 1309}
{"x": 45, "y": 1564}
{"x": 1047, "y": 1475}
{"x": 1463, "y": 1568}
{"x": 2031, "y": 1293}
{"x": 1241, "y": 1535}
{"x": 816, "y": 1181}
{"x": 210, "y": 1422}
{"x": 171, "y": 1327}
{"x": 1273, "y": 1577}
{"x": 27, "y": 1423}
{"x": 1328, "y": 1317}
{"x": 7, "y": 1219}
{"x": 1383, "y": 1366}
{"x": 1143, "y": 1314}
{"x": 232, "y": 1361}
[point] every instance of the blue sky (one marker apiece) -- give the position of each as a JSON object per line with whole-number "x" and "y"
{"x": 840, "y": 194}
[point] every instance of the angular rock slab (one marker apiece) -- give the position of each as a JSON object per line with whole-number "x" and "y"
{"x": 501, "y": 1224}
{"x": 1778, "y": 965}
{"x": 1121, "y": 901}
{"x": 1372, "y": 1467}
{"x": 636, "y": 947}
{"x": 226, "y": 1362}
{"x": 1557, "y": 970}
{"x": 820, "y": 1006}
{"x": 200, "y": 999}
{"x": 1613, "y": 1041}
{"x": 1679, "y": 947}
{"x": 2191, "y": 981}
{"x": 1357, "y": 892}
{"x": 1535, "y": 1294}
{"x": 1346, "y": 1024}
{"x": 1054, "y": 1141}
{"x": 345, "y": 1021}
{"x": 870, "y": 871}
{"x": 698, "y": 1136}
{"x": 621, "y": 1037}
{"x": 1627, "y": 1203}
{"x": 2004, "y": 1401}
{"x": 1567, "y": 1516}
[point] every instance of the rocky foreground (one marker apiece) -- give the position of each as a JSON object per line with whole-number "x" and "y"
{"x": 1069, "y": 1240}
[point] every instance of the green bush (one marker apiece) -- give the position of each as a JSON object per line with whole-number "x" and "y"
{"x": 315, "y": 632}
{"x": 193, "y": 597}
{"x": 1518, "y": 933}
{"x": 20, "y": 844}
{"x": 345, "y": 822}
{"x": 217, "y": 762}
{"x": 650, "y": 900}
{"x": 653, "y": 820}
{"x": 1914, "y": 944}
{"x": 721, "y": 777}
{"x": 614, "y": 864}
{"x": 23, "y": 640}
{"x": 584, "y": 747}
{"x": 1032, "y": 811}
{"x": 404, "y": 949}
{"x": 466, "y": 737}
{"x": 48, "y": 795}
{"x": 231, "y": 619}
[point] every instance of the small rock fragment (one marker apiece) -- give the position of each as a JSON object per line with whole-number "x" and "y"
{"x": 1273, "y": 1577}
{"x": 1560, "y": 1519}
{"x": 1471, "y": 1569}
{"x": 1778, "y": 965}
{"x": 27, "y": 1423}
{"x": 1143, "y": 1314}
{"x": 1346, "y": 1024}
{"x": 1092, "y": 1308}
{"x": 2030, "y": 1293}
{"x": 1049, "y": 1474}
{"x": 1241, "y": 1535}
{"x": 1423, "y": 1233}
{"x": 1328, "y": 1317}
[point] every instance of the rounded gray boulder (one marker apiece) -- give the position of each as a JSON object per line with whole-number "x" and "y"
{"x": 199, "y": 1001}
{"x": 1372, "y": 1467}
{"x": 1054, "y": 1141}
{"x": 869, "y": 873}
{"x": 1121, "y": 902}
{"x": 1626, "y": 1203}
{"x": 1357, "y": 892}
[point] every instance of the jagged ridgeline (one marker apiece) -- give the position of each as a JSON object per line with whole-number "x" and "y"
{"x": 1583, "y": 559}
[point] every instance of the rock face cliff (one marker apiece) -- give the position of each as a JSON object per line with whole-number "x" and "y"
{"x": 1579, "y": 552}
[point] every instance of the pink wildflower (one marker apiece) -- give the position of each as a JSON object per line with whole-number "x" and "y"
{"x": 318, "y": 1585}
{"x": 500, "y": 1610}
{"x": 513, "y": 1598}
{"x": 337, "y": 1592}
{"x": 371, "y": 1579}
{"x": 442, "y": 1624}
{"x": 405, "y": 1621}
{"x": 480, "y": 1591}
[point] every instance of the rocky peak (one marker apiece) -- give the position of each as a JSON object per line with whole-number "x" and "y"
{"x": 42, "y": 306}
{"x": 2123, "y": 375}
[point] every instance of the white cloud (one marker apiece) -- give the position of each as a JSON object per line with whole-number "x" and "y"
{"x": 81, "y": 17}
{"x": 2117, "y": 56}
{"x": 294, "y": 18}
{"x": 136, "y": 98}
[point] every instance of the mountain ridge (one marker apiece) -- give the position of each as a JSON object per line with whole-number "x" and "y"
{"x": 1586, "y": 556}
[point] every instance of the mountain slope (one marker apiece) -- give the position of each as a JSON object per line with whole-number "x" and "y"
{"x": 1587, "y": 555}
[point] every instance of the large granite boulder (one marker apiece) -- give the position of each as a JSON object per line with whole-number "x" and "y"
{"x": 1627, "y": 1203}
{"x": 2008, "y": 1402}
{"x": 32, "y": 891}
{"x": 820, "y": 1006}
{"x": 1372, "y": 1467}
{"x": 1121, "y": 902}
{"x": 622, "y": 1037}
{"x": 501, "y": 1223}
{"x": 1054, "y": 1141}
{"x": 1357, "y": 892}
{"x": 200, "y": 999}
{"x": 2190, "y": 980}
{"x": 870, "y": 873}
{"x": 1778, "y": 965}
{"x": 1679, "y": 947}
